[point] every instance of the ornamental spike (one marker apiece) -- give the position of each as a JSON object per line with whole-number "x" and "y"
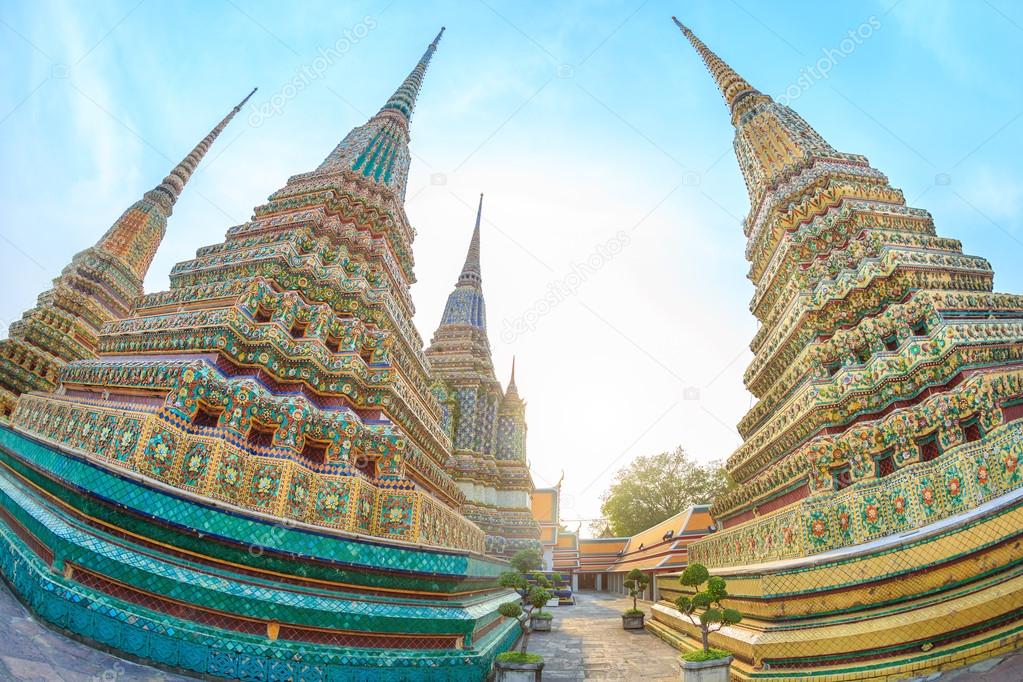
{"x": 167, "y": 192}
{"x": 471, "y": 271}
{"x": 513, "y": 391}
{"x": 403, "y": 100}
{"x": 733, "y": 86}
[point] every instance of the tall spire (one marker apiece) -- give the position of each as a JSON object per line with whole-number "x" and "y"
{"x": 101, "y": 284}
{"x": 135, "y": 236}
{"x": 465, "y": 304}
{"x": 471, "y": 272}
{"x": 404, "y": 98}
{"x": 167, "y": 192}
{"x": 512, "y": 391}
{"x": 771, "y": 140}
{"x": 732, "y": 85}
{"x": 378, "y": 149}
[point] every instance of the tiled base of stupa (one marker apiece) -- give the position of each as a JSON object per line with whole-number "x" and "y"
{"x": 937, "y": 597}
{"x": 149, "y": 573}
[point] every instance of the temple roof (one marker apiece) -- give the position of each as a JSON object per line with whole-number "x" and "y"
{"x": 662, "y": 546}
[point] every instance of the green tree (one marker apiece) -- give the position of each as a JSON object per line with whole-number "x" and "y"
{"x": 656, "y": 487}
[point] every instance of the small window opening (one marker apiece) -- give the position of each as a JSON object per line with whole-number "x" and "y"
{"x": 885, "y": 464}
{"x": 367, "y": 466}
{"x": 891, "y": 343}
{"x": 919, "y": 328}
{"x": 207, "y": 416}
{"x": 261, "y": 435}
{"x": 971, "y": 431}
{"x": 929, "y": 449}
{"x": 315, "y": 451}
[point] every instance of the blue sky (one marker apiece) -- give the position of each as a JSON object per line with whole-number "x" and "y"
{"x": 600, "y": 141}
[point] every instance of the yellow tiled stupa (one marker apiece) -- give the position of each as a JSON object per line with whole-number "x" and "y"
{"x": 875, "y": 528}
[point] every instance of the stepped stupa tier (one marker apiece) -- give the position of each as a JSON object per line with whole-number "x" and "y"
{"x": 487, "y": 426}
{"x": 255, "y": 456}
{"x": 298, "y": 327}
{"x": 101, "y": 283}
{"x": 890, "y": 395}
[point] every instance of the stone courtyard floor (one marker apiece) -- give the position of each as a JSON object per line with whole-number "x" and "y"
{"x": 587, "y": 643}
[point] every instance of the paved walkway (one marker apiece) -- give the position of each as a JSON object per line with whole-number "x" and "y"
{"x": 31, "y": 652}
{"x": 587, "y": 643}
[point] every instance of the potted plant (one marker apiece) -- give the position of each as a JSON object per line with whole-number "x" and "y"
{"x": 555, "y": 587}
{"x": 635, "y": 582}
{"x": 522, "y": 666}
{"x": 708, "y": 664}
{"x": 538, "y": 597}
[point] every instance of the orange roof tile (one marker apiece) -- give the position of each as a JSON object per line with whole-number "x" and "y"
{"x": 650, "y": 549}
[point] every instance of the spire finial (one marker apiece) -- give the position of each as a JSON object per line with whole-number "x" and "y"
{"x": 733, "y": 86}
{"x": 403, "y": 100}
{"x": 471, "y": 271}
{"x": 167, "y": 192}
{"x": 512, "y": 392}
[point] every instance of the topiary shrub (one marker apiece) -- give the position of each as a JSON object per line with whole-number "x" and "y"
{"x": 635, "y": 582}
{"x": 538, "y": 597}
{"x": 704, "y": 609}
{"x": 531, "y": 596}
{"x": 516, "y": 581}
{"x": 526, "y": 560}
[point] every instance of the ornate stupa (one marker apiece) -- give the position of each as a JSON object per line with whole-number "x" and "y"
{"x": 249, "y": 480}
{"x": 487, "y": 426}
{"x": 101, "y": 283}
{"x": 874, "y": 529}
